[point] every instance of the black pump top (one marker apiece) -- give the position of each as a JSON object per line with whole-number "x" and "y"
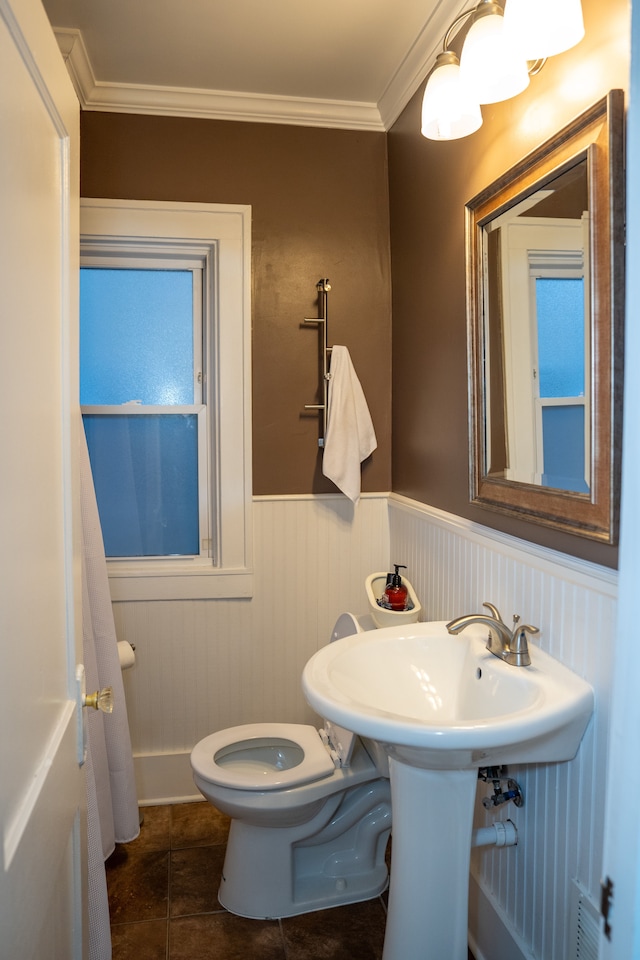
{"x": 396, "y": 579}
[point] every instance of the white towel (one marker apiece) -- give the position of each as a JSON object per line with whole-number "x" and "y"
{"x": 350, "y": 435}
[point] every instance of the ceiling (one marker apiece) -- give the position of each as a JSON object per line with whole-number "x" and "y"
{"x": 343, "y": 63}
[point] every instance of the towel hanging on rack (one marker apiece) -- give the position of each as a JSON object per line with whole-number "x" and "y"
{"x": 350, "y": 435}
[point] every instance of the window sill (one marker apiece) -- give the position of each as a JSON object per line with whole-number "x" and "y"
{"x": 174, "y": 582}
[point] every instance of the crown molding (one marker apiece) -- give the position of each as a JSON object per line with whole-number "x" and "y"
{"x": 97, "y": 95}
{"x": 211, "y": 104}
{"x": 419, "y": 60}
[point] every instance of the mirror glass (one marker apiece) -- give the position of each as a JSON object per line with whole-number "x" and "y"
{"x": 537, "y": 340}
{"x": 544, "y": 262}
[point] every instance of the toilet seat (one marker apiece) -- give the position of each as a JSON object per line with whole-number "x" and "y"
{"x": 264, "y": 756}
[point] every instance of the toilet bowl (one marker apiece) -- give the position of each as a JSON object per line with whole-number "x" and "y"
{"x": 310, "y": 811}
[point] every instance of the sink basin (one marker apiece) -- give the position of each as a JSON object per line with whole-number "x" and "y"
{"x": 442, "y": 705}
{"x": 441, "y": 701}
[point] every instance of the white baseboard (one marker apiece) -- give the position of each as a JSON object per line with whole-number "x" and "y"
{"x": 164, "y": 778}
{"x": 490, "y": 937}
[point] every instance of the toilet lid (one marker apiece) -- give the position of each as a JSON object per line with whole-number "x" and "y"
{"x": 263, "y": 756}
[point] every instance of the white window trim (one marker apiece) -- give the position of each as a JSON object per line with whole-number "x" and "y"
{"x": 226, "y": 230}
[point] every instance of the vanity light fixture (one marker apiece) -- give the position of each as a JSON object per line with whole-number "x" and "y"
{"x": 543, "y": 28}
{"x": 490, "y": 64}
{"x": 448, "y": 111}
{"x": 501, "y": 51}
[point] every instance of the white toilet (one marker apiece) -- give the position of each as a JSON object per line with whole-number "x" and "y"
{"x": 311, "y": 811}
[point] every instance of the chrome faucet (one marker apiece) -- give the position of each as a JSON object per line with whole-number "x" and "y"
{"x": 509, "y": 645}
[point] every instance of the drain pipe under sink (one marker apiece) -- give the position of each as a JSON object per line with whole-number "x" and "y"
{"x": 502, "y": 833}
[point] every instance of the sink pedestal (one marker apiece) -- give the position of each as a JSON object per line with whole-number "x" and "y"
{"x": 430, "y": 857}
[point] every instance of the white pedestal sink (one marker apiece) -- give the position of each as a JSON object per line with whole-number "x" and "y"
{"x": 442, "y": 706}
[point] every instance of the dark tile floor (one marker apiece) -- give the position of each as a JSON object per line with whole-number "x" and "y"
{"x": 164, "y": 905}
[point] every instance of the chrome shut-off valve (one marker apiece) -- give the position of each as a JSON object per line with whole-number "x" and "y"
{"x": 500, "y": 794}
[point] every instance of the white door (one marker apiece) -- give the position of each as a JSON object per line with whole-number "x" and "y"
{"x": 41, "y": 784}
{"x": 622, "y": 834}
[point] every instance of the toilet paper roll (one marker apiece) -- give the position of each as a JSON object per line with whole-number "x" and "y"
{"x": 126, "y": 654}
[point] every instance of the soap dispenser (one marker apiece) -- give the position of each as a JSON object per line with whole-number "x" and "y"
{"x": 396, "y": 594}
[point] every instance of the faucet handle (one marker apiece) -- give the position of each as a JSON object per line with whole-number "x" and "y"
{"x": 520, "y": 647}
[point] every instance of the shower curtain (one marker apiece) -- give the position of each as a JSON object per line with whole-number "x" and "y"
{"x": 112, "y": 806}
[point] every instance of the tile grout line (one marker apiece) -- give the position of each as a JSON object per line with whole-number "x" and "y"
{"x": 168, "y": 941}
{"x": 285, "y": 952}
{"x": 168, "y": 944}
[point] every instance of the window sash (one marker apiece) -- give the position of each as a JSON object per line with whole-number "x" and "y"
{"x": 205, "y": 538}
{"x": 196, "y": 265}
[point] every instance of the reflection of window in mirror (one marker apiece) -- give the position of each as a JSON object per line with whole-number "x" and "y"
{"x": 535, "y": 433}
{"x": 561, "y": 443}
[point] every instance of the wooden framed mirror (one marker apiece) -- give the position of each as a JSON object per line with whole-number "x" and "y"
{"x": 545, "y": 295}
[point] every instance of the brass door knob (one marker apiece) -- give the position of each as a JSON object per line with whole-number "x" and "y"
{"x": 100, "y": 700}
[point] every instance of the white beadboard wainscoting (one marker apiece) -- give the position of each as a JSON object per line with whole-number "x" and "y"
{"x": 524, "y": 899}
{"x": 203, "y": 665}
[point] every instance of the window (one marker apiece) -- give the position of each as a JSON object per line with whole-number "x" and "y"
{"x": 561, "y": 420}
{"x": 164, "y": 317}
{"x": 144, "y": 409}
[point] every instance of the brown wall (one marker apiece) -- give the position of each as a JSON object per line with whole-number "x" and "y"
{"x": 320, "y": 201}
{"x": 429, "y": 184}
{"x": 320, "y": 209}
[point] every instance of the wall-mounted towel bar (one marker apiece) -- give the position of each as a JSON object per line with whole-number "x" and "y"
{"x": 323, "y": 287}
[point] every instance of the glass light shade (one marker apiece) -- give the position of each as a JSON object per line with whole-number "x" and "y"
{"x": 491, "y": 68}
{"x": 448, "y": 112}
{"x": 543, "y": 28}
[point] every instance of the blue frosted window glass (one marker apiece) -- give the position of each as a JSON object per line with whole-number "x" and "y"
{"x": 136, "y": 336}
{"x": 145, "y": 470}
{"x": 563, "y": 448}
{"x": 560, "y": 314}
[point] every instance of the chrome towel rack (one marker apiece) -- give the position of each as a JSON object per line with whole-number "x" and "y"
{"x": 323, "y": 287}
